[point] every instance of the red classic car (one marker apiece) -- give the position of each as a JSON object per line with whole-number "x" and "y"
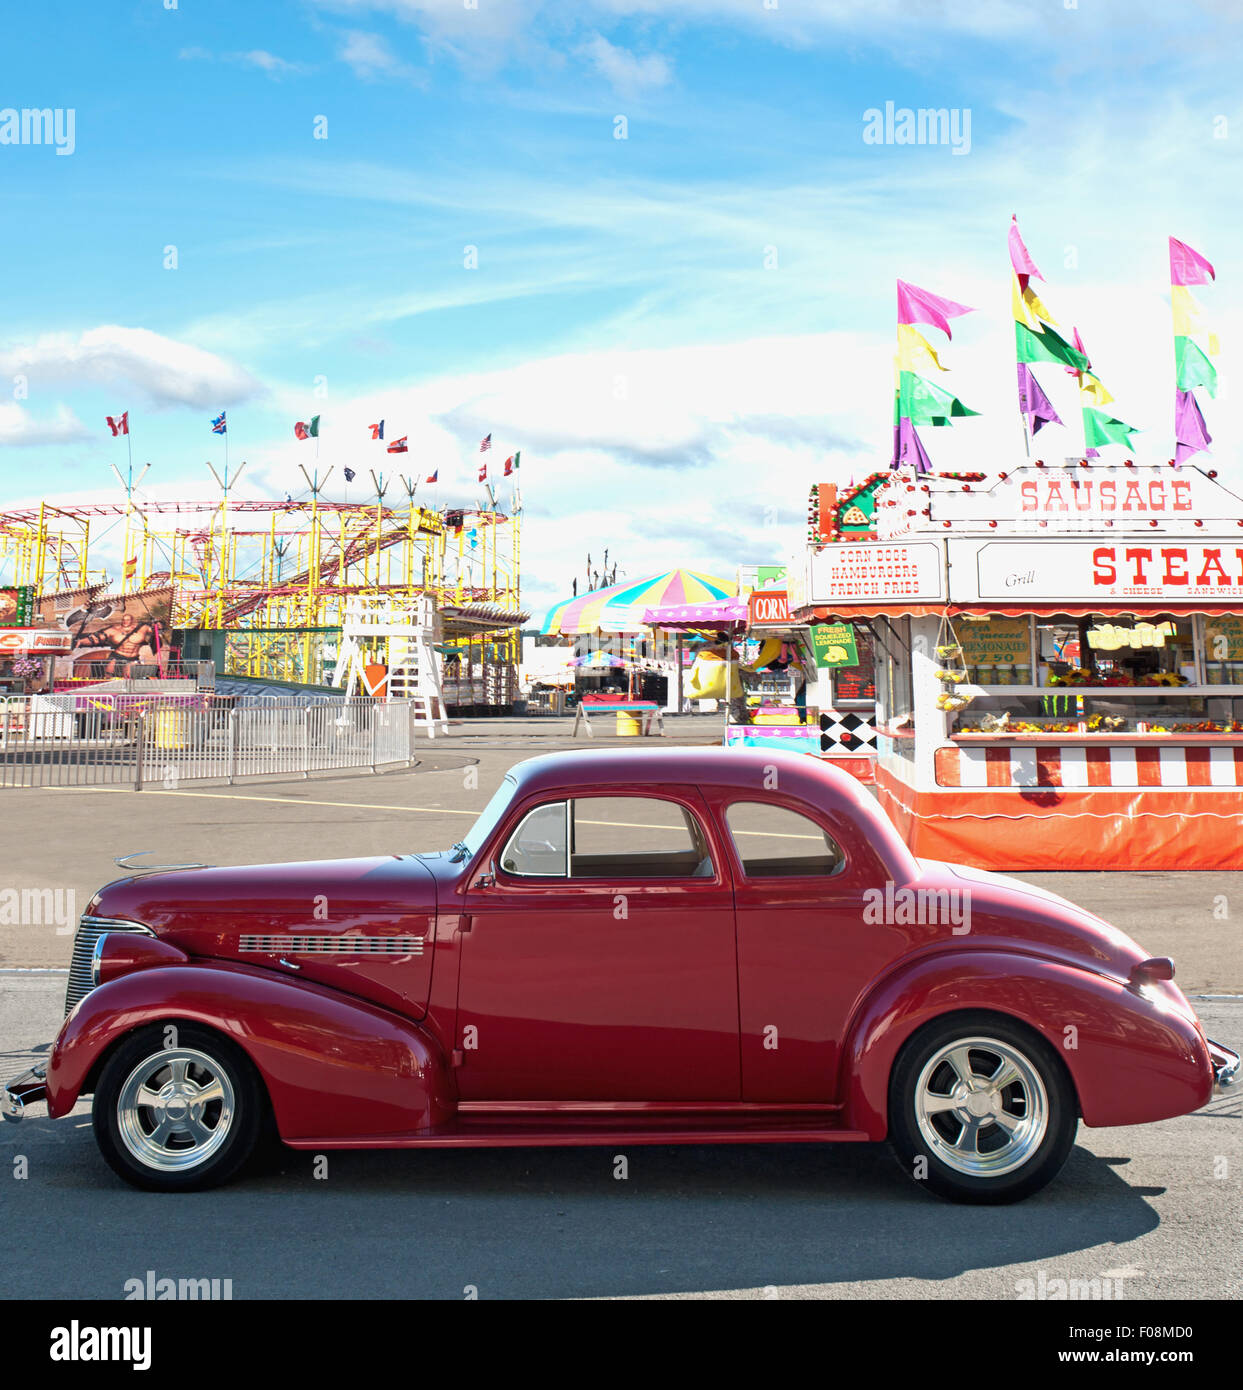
{"x": 633, "y": 947}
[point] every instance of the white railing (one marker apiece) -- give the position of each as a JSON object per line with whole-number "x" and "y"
{"x": 109, "y": 738}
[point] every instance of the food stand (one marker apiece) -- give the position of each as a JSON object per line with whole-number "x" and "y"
{"x": 1059, "y": 662}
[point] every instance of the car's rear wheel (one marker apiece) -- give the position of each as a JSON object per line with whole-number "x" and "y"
{"x": 981, "y": 1109}
{"x": 179, "y": 1117}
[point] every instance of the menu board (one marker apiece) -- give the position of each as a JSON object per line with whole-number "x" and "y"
{"x": 1223, "y": 639}
{"x": 997, "y": 642}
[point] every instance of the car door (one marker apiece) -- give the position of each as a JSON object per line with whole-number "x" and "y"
{"x": 599, "y": 960}
{"x": 806, "y": 949}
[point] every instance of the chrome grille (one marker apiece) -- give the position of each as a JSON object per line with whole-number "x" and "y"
{"x": 90, "y": 930}
{"x": 345, "y": 945}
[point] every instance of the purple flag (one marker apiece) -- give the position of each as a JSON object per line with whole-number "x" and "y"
{"x": 908, "y": 449}
{"x": 1019, "y": 257}
{"x": 1188, "y": 267}
{"x": 1035, "y": 406}
{"x": 1190, "y": 436}
{"x": 921, "y": 306}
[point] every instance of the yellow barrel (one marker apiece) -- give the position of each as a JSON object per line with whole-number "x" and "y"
{"x": 171, "y": 728}
{"x": 628, "y": 724}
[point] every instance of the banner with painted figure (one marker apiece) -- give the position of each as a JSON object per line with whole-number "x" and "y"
{"x": 112, "y": 634}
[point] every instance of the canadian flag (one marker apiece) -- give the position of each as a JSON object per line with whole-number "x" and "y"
{"x": 118, "y": 426}
{"x": 398, "y": 446}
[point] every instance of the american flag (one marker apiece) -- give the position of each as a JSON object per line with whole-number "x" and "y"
{"x": 218, "y": 425}
{"x": 485, "y": 444}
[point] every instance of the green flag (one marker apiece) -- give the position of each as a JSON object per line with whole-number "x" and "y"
{"x": 1099, "y": 428}
{"x": 1194, "y": 369}
{"x": 925, "y": 404}
{"x": 1046, "y": 346}
{"x": 313, "y": 428}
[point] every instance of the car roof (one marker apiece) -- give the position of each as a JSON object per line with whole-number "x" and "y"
{"x": 800, "y": 776}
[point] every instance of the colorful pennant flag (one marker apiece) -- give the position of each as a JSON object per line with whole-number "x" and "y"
{"x": 1034, "y": 405}
{"x": 398, "y": 446}
{"x": 1191, "y": 367}
{"x": 218, "y": 425}
{"x": 307, "y": 429}
{"x": 1046, "y": 346}
{"x": 917, "y": 401}
{"x": 377, "y": 431}
{"x": 1099, "y": 428}
{"x": 119, "y": 425}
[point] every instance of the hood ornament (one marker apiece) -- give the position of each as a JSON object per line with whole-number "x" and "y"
{"x": 124, "y": 861}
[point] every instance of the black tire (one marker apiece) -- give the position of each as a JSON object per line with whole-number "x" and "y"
{"x": 940, "y": 1129}
{"x": 200, "y": 1061}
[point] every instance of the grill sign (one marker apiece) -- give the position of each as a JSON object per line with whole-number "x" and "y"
{"x": 1127, "y": 569}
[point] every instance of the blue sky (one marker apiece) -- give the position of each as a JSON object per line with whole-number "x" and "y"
{"x": 680, "y": 330}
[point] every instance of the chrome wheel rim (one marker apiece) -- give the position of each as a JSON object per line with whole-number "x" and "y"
{"x": 176, "y": 1109}
{"x": 981, "y": 1107}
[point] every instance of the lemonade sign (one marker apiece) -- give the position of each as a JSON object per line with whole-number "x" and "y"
{"x": 997, "y": 642}
{"x": 834, "y": 645}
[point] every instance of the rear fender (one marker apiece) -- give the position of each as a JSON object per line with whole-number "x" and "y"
{"x": 1132, "y": 1057}
{"x": 334, "y": 1066}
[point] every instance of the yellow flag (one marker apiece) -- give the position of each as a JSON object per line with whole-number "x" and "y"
{"x": 1186, "y": 311}
{"x": 1090, "y": 386}
{"x": 1214, "y": 347}
{"x": 915, "y": 352}
{"x": 1027, "y": 306}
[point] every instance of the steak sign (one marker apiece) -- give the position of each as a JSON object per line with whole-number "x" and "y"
{"x": 1126, "y": 568}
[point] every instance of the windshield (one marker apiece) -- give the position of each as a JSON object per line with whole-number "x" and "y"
{"x": 488, "y": 818}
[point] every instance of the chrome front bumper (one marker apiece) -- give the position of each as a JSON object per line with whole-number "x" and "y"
{"x": 31, "y": 1086}
{"x": 1225, "y": 1066}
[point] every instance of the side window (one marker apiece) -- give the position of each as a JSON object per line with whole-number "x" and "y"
{"x": 773, "y": 842}
{"x": 636, "y": 837}
{"x": 538, "y": 847}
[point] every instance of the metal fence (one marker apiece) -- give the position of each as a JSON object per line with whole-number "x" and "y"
{"x": 123, "y": 738}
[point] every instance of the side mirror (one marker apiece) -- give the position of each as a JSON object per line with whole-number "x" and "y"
{"x": 487, "y": 880}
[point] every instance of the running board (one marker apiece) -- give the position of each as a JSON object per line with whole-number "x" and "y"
{"x": 493, "y": 1132}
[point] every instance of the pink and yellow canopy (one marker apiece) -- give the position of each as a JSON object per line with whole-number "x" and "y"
{"x": 621, "y": 608}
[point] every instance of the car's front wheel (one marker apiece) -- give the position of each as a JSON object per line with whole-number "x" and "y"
{"x": 177, "y": 1108}
{"x": 981, "y": 1109}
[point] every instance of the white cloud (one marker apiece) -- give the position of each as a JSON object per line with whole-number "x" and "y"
{"x": 19, "y": 428}
{"x": 251, "y": 58}
{"x": 372, "y": 59}
{"x": 627, "y": 73}
{"x": 164, "y": 371}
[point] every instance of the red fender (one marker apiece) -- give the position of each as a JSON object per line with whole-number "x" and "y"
{"x": 1135, "y": 1057}
{"x": 335, "y": 1067}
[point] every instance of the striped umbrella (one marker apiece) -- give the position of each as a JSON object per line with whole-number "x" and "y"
{"x": 621, "y": 607}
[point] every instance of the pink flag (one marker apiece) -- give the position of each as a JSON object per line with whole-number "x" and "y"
{"x": 1188, "y": 267}
{"x": 1074, "y": 371}
{"x": 1019, "y": 258}
{"x": 1190, "y": 435}
{"x": 919, "y": 306}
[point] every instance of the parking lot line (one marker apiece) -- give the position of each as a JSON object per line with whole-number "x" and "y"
{"x": 282, "y": 800}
